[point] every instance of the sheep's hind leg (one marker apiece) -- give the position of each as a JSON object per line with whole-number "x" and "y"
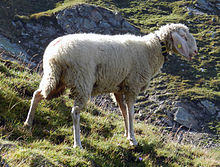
{"x": 130, "y": 111}
{"x": 75, "y": 113}
{"x": 122, "y": 106}
{"x": 37, "y": 97}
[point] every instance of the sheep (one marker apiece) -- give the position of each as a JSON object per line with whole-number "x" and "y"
{"x": 92, "y": 64}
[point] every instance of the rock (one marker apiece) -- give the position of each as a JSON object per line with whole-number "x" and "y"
{"x": 209, "y": 6}
{"x": 84, "y": 10}
{"x": 17, "y": 53}
{"x": 114, "y": 22}
{"x": 36, "y": 34}
{"x": 218, "y": 116}
{"x": 209, "y": 106}
{"x": 185, "y": 118}
{"x": 193, "y": 11}
{"x": 203, "y": 4}
{"x": 104, "y": 25}
{"x": 218, "y": 6}
{"x": 126, "y": 25}
{"x": 90, "y": 18}
{"x": 96, "y": 16}
{"x": 89, "y": 25}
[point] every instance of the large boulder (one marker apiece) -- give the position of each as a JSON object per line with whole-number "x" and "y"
{"x": 209, "y": 6}
{"x": 36, "y": 33}
{"x": 90, "y": 18}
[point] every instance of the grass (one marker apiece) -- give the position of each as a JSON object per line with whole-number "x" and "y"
{"x": 51, "y": 141}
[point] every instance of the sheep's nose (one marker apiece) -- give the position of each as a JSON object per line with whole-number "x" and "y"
{"x": 195, "y": 51}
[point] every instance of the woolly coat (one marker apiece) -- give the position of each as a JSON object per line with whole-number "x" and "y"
{"x": 92, "y": 64}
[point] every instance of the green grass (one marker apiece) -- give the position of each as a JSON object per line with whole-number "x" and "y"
{"x": 51, "y": 141}
{"x": 59, "y": 6}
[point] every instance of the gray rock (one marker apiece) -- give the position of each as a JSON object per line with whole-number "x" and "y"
{"x": 84, "y": 10}
{"x": 218, "y": 116}
{"x": 185, "y": 118}
{"x": 218, "y": 6}
{"x": 89, "y": 24}
{"x": 96, "y": 16}
{"x": 90, "y": 18}
{"x": 107, "y": 13}
{"x": 193, "y": 11}
{"x": 107, "y": 31}
{"x": 208, "y": 6}
{"x": 209, "y": 106}
{"x": 35, "y": 34}
{"x": 51, "y": 31}
{"x": 203, "y": 4}
{"x": 19, "y": 53}
{"x": 125, "y": 24}
{"x": 114, "y": 22}
{"x": 104, "y": 25}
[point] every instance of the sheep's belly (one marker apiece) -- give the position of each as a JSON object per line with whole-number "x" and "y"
{"x": 109, "y": 77}
{"x": 104, "y": 88}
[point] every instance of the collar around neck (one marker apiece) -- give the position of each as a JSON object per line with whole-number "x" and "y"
{"x": 163, "y": 49}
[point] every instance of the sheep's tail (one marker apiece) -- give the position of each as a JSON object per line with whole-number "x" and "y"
{"x": 52, "y": 84}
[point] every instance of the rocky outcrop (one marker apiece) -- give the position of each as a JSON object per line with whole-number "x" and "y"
{"x": 163, "y": 109}
{"x": 12, "y": 51}
{"x": 36, "y": 33}
{"x": 209, "y": 6}
{"x": 188, "y": 121}
{"x": 88, "y": 18}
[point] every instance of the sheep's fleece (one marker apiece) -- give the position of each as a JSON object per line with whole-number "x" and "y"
{"x": 91, "y": 64}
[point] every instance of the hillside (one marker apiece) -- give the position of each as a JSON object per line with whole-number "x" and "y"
{"x": 50, "y": 143}
{"x": 192, "y": 87}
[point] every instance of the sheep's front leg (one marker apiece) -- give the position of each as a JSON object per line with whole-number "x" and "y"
{"x": 130, "y": 111}
{"x": 75, "y": 113}
{"x": 122, "y": 106}
{"x": 37, "y": 97}
{"x": 76, "y": 126}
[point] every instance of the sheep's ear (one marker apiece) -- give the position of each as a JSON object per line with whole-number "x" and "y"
{"x": 180, "y": 44}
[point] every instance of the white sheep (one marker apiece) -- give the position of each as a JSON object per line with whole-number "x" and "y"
{"x": 91, "y": 64}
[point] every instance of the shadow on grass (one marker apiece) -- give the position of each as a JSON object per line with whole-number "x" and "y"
{"x": 40, "y": 160}
{"x": 140, "y": 156}
{"x": 176, "y": 66}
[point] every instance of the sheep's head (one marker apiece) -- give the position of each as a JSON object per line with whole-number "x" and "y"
{"x": 184, "y": 43}
{"x": 179, "y": 40}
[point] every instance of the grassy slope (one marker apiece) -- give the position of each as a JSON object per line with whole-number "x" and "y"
{"x": 51, "y": 141}
{"x": 102, "y": 133}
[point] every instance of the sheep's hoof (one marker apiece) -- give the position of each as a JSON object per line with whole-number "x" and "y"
{"x": 27, "y": 128}
{"x": 27, "y": 125}
{"x": 77, "y": 146}
{"x": 133, "y": 141}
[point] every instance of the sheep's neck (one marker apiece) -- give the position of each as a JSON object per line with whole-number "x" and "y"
{"x": 163, "y": 49}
